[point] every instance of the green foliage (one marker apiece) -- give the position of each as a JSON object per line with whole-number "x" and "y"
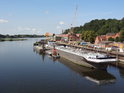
{"x": 101, "y": 27}
{"x": 117, "y": 39}
{"x": 110, "y": 39}
{"x": 122, "y": 35}
{"x": 2, "y": 36}
{"x": 88, "y": 36}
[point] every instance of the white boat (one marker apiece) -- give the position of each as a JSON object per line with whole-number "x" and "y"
{"x": 99, "y": 58}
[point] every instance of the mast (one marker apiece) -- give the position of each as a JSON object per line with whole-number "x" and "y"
{"x": 75, "y": 15}
{"x": 73, "y": 23}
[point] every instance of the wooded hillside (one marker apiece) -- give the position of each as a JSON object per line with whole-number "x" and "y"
{"x": 100, "y": 27}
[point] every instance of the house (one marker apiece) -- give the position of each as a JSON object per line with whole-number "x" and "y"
{"x": 112, "y": 35}
{"x": 101, "y": 38}
{"x": 73, "y": 37}
{"x": 104, "y": 44}
{"x": 119, "y": 45}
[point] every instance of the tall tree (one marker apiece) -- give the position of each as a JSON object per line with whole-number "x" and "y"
{"x": 88, "y": 36}
{"x": 122, "y": 35}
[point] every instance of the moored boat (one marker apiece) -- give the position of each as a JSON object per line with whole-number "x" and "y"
{"x": 84, "y": 58}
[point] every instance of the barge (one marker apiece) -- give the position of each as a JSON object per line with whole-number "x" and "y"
{"x": 84, "y": 58}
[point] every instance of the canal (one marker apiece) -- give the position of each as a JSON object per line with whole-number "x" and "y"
{"x": 22, "y": 70}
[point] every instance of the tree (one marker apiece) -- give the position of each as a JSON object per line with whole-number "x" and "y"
{"x": 2, "y": 36}
{"x": 110, "y": 39}
{"x": 88, "y": 36}
{"x": 122, "y": 35}
{"x": 117, "y": 39}
{"x": 54, "y": 34}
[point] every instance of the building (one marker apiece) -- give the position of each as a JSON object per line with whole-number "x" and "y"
{"x": 47, "y": 34}
{"x": 61, "y": 37}
{"x": 104, "y": 44}
{"x": 101, "y": 38}
{"x": 73, "y": 37}
{"x": 68, "y": 37}
{"x": 119, "y": 45}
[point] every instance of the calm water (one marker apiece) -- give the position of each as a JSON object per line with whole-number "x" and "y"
{"x": 22, "y": 70}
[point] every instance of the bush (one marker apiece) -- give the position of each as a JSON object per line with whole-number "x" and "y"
{"x": 111, "y": 39}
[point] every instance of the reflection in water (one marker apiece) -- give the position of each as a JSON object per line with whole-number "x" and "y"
{"x": 121, "y": 72}
{"x": 41, "y": 54}
{"x": 98, "y": 76}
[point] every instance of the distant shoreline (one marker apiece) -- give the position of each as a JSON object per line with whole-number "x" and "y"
{"x": 11, "y": 39}
{"x": 20, "y": 36}
{"x": 17, "y": 37}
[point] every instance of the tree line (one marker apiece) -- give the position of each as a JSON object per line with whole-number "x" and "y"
{"x": 20, "y": 36}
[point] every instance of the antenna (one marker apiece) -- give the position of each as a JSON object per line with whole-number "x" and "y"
{"x": 74, "y": 20}
{"x": 75, "y": 15}
{"x": 73, "y": 23}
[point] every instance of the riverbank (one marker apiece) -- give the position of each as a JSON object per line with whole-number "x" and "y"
{"x": 11, "y": 39}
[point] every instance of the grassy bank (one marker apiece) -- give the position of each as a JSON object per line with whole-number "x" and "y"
{"x": 11, "y": 39}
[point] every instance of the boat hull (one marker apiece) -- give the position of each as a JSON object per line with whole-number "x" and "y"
{"x": 81, "y": 61}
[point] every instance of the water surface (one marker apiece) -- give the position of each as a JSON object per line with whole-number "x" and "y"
{"x": 22, "y": 70}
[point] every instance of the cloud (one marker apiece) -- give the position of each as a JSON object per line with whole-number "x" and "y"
{"x": 61, "y": 23}
{"x": 3, "y": 21}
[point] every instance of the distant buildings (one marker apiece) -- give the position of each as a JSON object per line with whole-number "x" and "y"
{"x": 102, "y": 42}
{"x": 119, "y": 45}
{"x": 48, "y": 34}
{"x": 68, "y": 37}
{"x": 100, "y": 39}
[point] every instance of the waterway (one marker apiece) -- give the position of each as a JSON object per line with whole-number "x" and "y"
{"x": 22, "y": 70}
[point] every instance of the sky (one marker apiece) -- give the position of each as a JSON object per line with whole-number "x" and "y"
{"x": 53, "y": 16}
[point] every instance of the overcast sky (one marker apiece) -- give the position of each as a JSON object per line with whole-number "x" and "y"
{"x": 40, "y": 16}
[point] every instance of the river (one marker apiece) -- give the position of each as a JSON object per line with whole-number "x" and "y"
{"x": 22, "y": 70}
